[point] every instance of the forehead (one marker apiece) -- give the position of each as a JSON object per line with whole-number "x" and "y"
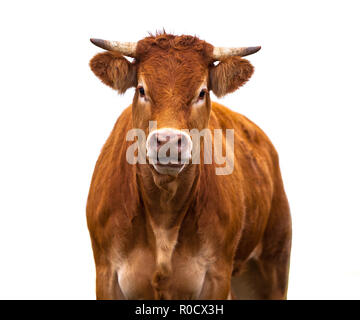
{"x": 174, "y": 70}
{"x": 173, "y": 65}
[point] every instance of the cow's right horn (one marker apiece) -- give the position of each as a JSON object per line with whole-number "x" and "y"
{"x": 125, "y": 48}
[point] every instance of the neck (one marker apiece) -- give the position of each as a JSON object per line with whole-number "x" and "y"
{"x": 166, "y": 200}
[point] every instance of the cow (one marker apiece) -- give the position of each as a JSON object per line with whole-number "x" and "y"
{"x": 181, "y": 229}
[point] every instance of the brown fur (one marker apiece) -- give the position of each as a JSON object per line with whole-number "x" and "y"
{"x": 229, "y": 75}
{"x": 114, "y": 70}
{"x": 198, "y": 235}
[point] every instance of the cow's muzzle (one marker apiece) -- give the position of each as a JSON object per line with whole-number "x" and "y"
{"x": 168, "y": 150}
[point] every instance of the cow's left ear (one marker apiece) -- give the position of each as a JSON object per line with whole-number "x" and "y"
{"x": 114, "y": 70}
{"x": 229, "y": 75}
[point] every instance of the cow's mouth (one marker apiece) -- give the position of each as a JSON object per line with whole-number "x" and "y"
{"x": 172, "y": 169}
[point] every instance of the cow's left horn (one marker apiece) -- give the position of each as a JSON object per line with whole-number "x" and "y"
{"x": 221, "y": 53}
{"x": 125, "y": 48}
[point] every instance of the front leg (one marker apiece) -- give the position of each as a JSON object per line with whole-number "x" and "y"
{"x": 107, "y": 285}
{"x": 217, "y": 282}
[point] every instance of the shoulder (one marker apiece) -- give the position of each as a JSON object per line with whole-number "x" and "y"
{"x": 246, "y": 130}
{"x": 113, "y": 183}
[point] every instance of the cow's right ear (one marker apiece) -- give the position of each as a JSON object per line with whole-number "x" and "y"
{"x": 114, "y": 70}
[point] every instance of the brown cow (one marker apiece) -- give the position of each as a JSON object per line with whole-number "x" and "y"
{"x": 180, "y": 230}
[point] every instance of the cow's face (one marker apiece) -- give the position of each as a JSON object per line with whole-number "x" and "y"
{"x": 173, "y": 77}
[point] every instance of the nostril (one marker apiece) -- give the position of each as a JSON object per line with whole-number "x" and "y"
{"x": 180, "y": 142}
{"x": 158, "y": 141}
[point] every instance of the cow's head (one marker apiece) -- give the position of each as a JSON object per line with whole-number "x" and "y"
{"x": 173, "y": 76}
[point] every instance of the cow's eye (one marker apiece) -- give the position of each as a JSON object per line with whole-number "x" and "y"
{"x": 202, "y": 94}
{"x": 141, "y": 92}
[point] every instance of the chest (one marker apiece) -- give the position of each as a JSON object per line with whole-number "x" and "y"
{"x": 185, "y": 279}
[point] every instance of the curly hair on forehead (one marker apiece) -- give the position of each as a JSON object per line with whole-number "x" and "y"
{"x": 169, "y": 42}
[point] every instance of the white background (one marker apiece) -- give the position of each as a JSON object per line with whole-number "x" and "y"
{"x": 55, "y": 116}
